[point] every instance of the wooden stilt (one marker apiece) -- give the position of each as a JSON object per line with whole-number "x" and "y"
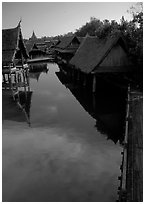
{"x": 23, "y": 74}
{"x": 78, "y": 75}
{"x": 94, "y": 84}
{"x": 4, "y": 78}
{"x": 94, "y": 102}
{"x": 84, "y": 80}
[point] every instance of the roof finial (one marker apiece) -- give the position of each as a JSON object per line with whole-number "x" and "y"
{"x": 19, "y": 24}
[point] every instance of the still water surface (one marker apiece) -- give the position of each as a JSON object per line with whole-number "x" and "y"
{"x": 69, "y": 153}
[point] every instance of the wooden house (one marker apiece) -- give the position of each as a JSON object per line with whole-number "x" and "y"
{"x": 66, "y": 48}
{"x": 36, "y": 47}
{"x": 102, "y": 57}
{"x": 51, "y": 45}
{"x": 38, "y": 50}
{"x": 14, "y": 55}
{"x": 13, "y": 48}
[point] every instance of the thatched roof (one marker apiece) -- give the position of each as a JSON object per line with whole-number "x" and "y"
{"x": 66, "y": 41}
{"x": 93, "y": 51}
{"x": 68, "y": 50}
{"x": 12, "y": 42}
{"x": 30, "y": 43}
{"x": 80, "y": 38}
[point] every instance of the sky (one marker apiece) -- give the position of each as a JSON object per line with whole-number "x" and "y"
{"x": 55, "y": 18}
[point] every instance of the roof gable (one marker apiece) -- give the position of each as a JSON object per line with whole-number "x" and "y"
{"x": 92, "y": 52}
{"x": 66, "y": 41}
{"x": 12, "y": 42}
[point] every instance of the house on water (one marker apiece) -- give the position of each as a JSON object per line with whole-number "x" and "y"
{"x": 15, "y": 80}
{"x": 38, "y": 50}
{"x": 36, "y": 47}
{"x": 14, "y": 53}
{"x": 51, "y": 45}
{"x": 66, "y": 49}
{"x": 101, "y": 57}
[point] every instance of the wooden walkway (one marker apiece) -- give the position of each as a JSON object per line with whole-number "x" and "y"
{"x": 131, "y": 188}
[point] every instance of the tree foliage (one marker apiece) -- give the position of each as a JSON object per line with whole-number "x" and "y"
{"x": 132, "y": 31}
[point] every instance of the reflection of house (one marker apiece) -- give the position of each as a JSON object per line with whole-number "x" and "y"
{"x": 11, "y": 112}
{"x": 102, "y": 57}
{"x": 15, "y": 74}
{"x": 35, "y": 67}
{"x": 36, "y": 74}
{"x": 66, "y": 48}
{"x": 108, "y": 109}
{"x": 25, "y": 102}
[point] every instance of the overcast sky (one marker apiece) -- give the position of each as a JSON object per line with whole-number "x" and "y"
{"x": 50, "y": 19}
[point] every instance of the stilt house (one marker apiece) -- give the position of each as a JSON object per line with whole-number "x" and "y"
{"x": 102, "y": 57}
{"x": 67, "y": 47}
{"x": 13, "y": 48}
{"x": 36, "y": 47}
{"x": 38, "y": 50}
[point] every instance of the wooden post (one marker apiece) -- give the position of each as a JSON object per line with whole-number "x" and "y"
{"x": 84, "y": 80}
{"x": 94, "y": 102}
{"x": 73, "y": 75}
{"x": 28, "y": 81}
{"x": 78, "y": 75}
{"x": 94, "y": 83}
{"x": 4, "y": 79}
{"x": 9, "y": 77}
{"x": 23, "y": 73}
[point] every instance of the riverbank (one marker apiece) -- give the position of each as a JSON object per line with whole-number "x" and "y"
{"x": 132, "y": 175}
{"x": 135, "y": 149}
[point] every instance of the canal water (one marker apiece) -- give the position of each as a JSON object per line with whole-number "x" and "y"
{"x": 71, "y": 151}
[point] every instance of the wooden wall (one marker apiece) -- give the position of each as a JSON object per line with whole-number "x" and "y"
{"x": 116, "y": 57}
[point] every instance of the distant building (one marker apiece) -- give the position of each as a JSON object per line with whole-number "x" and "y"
{"x": 66, "y": 48}
{"x": 38, "y": 50}
{"x": 33, "y": 37}
{"x": 36, "y": 46}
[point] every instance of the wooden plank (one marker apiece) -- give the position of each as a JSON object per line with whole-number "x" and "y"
{"x": 132, "y": 167}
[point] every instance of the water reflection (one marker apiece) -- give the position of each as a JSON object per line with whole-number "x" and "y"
{"x": 62, "y": 157}
{"x": 107, "y": 108}
{"x": 38, "y": 67}
{"x": 36, "y": 74}
{"x": 20, "y": 113}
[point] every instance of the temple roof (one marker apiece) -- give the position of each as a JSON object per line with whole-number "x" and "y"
{"x": 12, "y": 42}
{"x": 33, "y": 37}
